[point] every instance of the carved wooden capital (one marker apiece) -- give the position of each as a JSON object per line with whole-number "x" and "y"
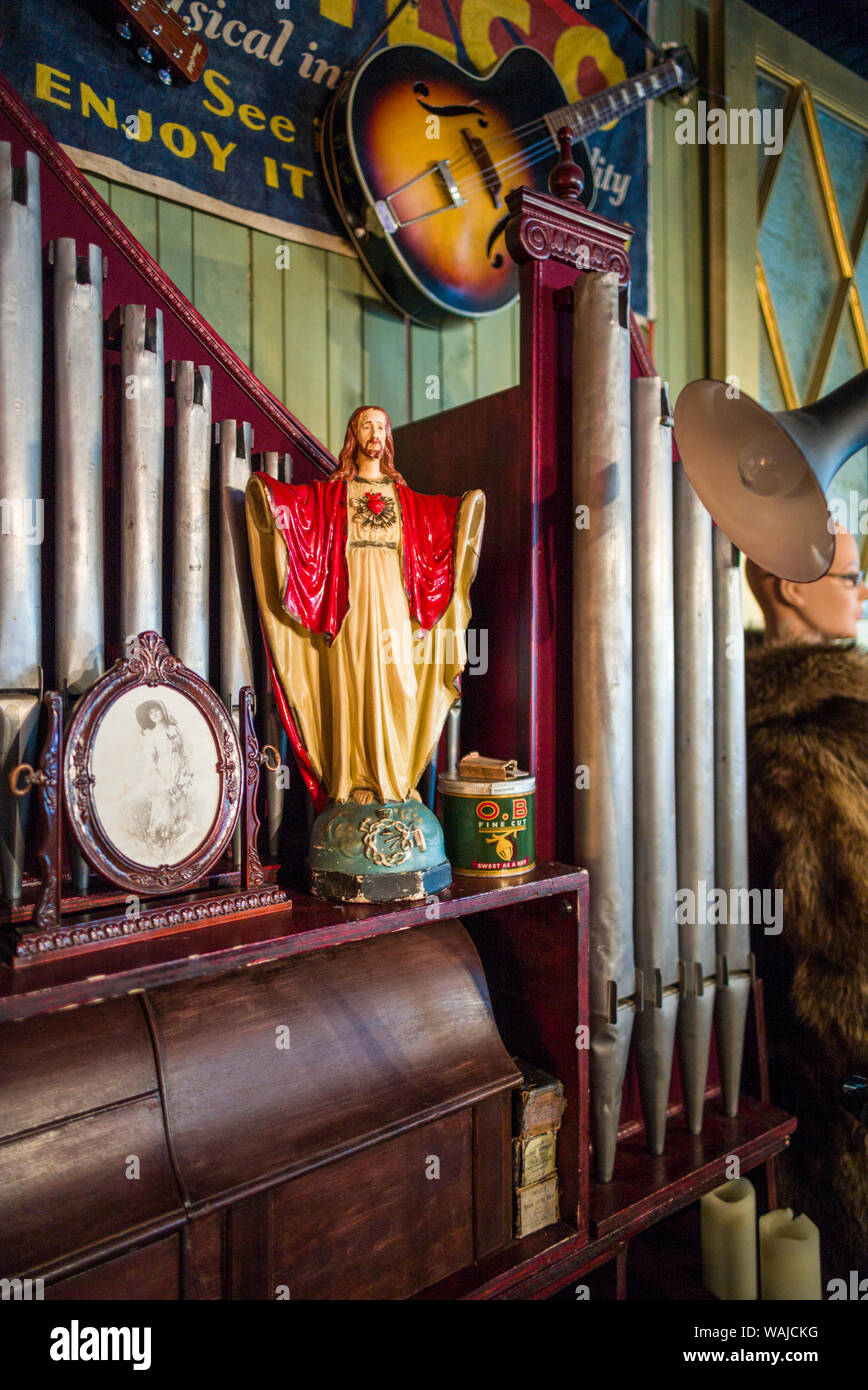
{"x": 545, "y": 228}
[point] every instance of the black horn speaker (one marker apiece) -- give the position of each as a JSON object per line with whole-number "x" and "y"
{"x": 763, "y": 475}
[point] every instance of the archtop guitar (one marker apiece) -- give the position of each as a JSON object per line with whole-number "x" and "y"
{"x": 419, "y": 157}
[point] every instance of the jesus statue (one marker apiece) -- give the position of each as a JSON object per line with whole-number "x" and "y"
{"x": 363, "y": 587}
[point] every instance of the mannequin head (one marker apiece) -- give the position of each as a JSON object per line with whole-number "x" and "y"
{"x": 819, "y": 612}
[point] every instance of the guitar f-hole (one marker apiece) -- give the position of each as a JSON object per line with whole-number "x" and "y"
{"x": 497, "y": 230}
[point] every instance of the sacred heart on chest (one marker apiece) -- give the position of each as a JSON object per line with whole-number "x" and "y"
{"x": 375, "y": 511}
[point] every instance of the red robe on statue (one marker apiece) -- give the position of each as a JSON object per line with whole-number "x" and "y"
{"x": 312, "y": 519}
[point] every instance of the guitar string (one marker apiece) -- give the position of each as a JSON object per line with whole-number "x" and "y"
{"x": 528, "y": 156}
{"x": 463, "y": 159}
{"x": 507, "y": 163}
{"x": 526, "y": 159}
{"x": 606, "y": 92}
{"x": 532, "y": 155}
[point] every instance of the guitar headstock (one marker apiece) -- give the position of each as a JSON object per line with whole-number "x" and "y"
{"x": 685, "y": 68}
{"x": 162, "y": 39}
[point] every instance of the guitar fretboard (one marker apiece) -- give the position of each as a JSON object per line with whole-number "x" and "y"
{"x": 588, "y": 115}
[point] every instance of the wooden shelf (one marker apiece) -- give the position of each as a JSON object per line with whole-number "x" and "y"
{"x": 644, "y": 1189}
{"x": 307, "y": 924}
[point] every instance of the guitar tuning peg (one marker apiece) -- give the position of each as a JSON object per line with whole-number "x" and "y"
{"x": 124, "y": 31}
{"x": 165, "y": 76}
{"x": 145, "y": 54}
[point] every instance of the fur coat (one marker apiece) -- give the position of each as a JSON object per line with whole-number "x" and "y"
{"x": 807, "y": 731}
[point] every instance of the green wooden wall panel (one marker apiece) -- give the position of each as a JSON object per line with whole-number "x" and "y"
{"x": 459, "y": 364}
{"x": 493, "y": 353}
{"x": 175, "y": 244}
{"x": 268, "y": 268}
{"x": 515, "y": 313}
{"x": 385, "y": 367}
{"x": 102, "y": 186}
{"x": 345, "y": 374}
{"x": 138, "y": 211}
{"x": 678, "y": 217}
{"x": 305, "y": 338}
{"x": 426, "y": 372}
{"x": 221, "y": 278}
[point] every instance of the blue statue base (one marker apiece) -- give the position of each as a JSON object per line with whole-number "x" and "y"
{"x": 382, "y": 852}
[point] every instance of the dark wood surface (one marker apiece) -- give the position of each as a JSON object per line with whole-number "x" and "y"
{"x": 494, "y": 701}
{"x": 392, "y": 1050}
{"x": 382, "y": 1034}
{"x": 536, "y": 962}
{"x": 247, "y": 1274}
{"x": 691, "y": 1164}
{"x": 204, "y": 1247}
{"x": 492, "y": 1177}
{"x": 63, "y": 1065}
{"x": 310, "y": 924}
{"x": 151, "y": 1272}
{"x": 65, "y": 1188}
{"x": 375, "y": 1226}
{"x": 539, "y": 1265}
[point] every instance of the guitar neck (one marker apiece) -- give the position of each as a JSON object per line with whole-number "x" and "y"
{"x": 584, "y": 117}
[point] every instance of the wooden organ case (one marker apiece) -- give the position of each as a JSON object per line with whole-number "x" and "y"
{"x": 310, "y": 1100}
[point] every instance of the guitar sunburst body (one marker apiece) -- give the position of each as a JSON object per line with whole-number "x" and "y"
{"x": 409, "y": 112}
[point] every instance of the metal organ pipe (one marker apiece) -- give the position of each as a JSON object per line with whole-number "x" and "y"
{"x": 21, "y": 502}
{"x": 78, "y": 359}
{"x": 191, "y": 583}
{"x": 730, "y": 820}
{"x": 236, "y": 586}
{"x": 694, "y": 775}
{"x": 142, "y": 437}
{"x": 78, "y": 391}
{"x": 602, "y": 685}
{"x": 655, "y": 933}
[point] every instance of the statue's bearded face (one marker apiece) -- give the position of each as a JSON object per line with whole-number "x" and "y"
{"x": 371, "y": 433}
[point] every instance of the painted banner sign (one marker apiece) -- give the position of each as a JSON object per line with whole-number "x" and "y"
{"x": 244, "y": 135}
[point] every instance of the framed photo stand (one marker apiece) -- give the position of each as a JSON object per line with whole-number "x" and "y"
{"x": 151, "y": 778}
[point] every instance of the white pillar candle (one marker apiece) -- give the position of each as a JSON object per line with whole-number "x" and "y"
{"x": 729, "y": 1240}
{"x": 789, "y": 1257}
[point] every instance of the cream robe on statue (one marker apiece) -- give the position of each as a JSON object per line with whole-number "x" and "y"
{"x": 371, "y": 706}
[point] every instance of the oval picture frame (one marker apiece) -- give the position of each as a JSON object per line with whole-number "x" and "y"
{"x": 152, "y": 772}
